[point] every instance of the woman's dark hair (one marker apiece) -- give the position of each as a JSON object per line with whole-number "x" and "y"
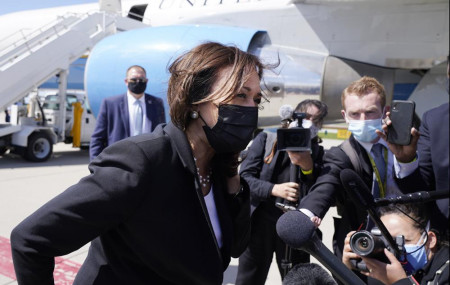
{"x": 194, "y": 73}
{"x": 420, "y": 214}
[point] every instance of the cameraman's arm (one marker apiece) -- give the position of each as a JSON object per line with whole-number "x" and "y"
{"x": 288, "y": 191}
{"x": 252, "y": 166}
{"x": 386, "y": 273}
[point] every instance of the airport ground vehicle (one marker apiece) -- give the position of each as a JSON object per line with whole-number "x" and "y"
{"x": 30, "y": 57}
{"x": 35, "y": 127}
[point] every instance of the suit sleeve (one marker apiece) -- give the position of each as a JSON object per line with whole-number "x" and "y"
{"x": 84, "y": 211}
{"x": 251, "y": 169}
{"x": 424, "y": 149}
{"x": 161, "y": 112}
{"x": 99, "y": 137}
{"x": 327, "y": 191}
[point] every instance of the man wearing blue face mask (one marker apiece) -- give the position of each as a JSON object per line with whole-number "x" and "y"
{"x": 386, "y": 169}
{"x": 426, "y": 256}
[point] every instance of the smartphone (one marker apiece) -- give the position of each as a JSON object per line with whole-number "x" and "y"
{"x": 402, "y": 118}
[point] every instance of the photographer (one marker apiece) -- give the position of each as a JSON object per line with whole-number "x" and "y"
{"x": 267, "y": 172}
{"x": 427, "y": 257}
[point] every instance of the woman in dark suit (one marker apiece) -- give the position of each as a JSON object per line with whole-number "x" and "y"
{"x": 162, "y": 208}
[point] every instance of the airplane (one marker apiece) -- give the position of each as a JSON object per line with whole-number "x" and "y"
{"x": 321, "y": 45}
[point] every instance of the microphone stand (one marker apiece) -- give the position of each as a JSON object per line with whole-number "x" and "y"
{"x": 286, "y": 205}
{"x": 286, "y": 262}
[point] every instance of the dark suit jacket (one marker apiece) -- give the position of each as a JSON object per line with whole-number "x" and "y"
{"x": 433, "y": 149}
{"x": 144, "y": 209}
{"x": 328, "y": 191}
{"x": 113, "y": 121}
{"x": 261, "y": 177}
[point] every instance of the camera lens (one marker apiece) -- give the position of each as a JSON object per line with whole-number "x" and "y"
{"x": 366, "y": 244}
{"x": 295, "y": 139}
{"x": 363, "y": 243}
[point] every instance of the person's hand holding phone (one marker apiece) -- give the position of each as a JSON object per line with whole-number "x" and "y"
{"x": 403, "y": 153}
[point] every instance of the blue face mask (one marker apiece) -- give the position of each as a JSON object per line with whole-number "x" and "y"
{"x": 364, "y": 131}
{"x": 416, "y": 254}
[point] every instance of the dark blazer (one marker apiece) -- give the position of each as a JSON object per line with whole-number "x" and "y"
{"x": 328, "y": 191}
{"x": 143, "y": 207}
{"x": 261, "y": 176}
{"x": 113, "y": 121}
{"x": 434, "y": 158}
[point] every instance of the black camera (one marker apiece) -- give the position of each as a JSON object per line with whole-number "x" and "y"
{"x": 294, "y": 139}
{"x": 372, "y": 244}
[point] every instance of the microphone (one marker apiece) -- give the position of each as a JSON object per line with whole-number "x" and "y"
{"x": 417, "y": 197}
{"x": 297, "y": 231}
{"x": 308, "y": 273}
{"x": 360, "y": 195}
{"x": 286, "y": 112}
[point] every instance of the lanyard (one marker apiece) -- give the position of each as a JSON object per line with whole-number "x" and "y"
{"x": 381, "y": 184}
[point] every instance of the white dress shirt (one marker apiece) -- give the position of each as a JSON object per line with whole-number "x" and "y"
{"x": 146, "y": 123}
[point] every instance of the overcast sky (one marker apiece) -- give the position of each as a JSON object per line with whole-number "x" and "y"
{"x": 10, "y": 6}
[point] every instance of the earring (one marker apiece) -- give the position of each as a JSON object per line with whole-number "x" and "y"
{"x": 194, "y": 115}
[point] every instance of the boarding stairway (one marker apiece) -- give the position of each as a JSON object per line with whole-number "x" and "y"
{"x": 29, "y": 61}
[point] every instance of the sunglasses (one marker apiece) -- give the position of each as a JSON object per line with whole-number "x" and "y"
{"x": 137, "y": 80}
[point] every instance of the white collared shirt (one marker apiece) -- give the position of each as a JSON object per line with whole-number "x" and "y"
{"x": 147, "y": 124}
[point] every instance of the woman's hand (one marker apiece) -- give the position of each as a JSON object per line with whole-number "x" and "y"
{"x": 347, "y": 253}
{"x": 233, "y": 184}
{"x": 288, "y": 191}
{"x": 386, "y": 273}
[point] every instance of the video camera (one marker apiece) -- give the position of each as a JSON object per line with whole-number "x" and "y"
{"x": 296, "y": 138}
{"x": 293, "y": 139}
{"x": 372, "y": 244}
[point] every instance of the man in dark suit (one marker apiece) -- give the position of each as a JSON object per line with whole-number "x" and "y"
{"x": 434, "y": 158}
{"x": 385, "y": 168}
{"x": 127, "y": 114}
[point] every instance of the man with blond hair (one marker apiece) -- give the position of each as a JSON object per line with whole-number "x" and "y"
{"x": 386, "y": 168}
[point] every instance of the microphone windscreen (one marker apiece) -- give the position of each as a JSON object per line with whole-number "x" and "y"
{"x": 295, "y": 228}
{"x": 356, "y": 188}
{"x": 308, "y": 273}
{"x": 286, "y": 112}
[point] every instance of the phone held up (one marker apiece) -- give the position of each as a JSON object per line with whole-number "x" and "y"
{"x": 402, "y": 119}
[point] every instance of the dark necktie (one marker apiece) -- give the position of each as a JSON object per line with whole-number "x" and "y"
{"x": 377, "y": 155}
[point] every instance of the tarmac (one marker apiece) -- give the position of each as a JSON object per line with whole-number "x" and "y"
{"x": 25, "y": 186}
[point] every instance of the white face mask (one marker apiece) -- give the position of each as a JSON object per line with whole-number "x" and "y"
{"x": 308, "y": 124}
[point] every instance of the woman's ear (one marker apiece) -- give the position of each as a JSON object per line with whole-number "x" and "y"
{"x": 432, "y": 240}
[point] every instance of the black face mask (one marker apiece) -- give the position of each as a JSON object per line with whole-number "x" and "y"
{"x": 137, "y": 87}
{"x": 234, "y": 128}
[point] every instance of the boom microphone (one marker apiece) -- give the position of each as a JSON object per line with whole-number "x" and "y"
{"x": 297, "y": 231}
{"x": 286, "y": 112}
{"x": 361, "y": 196}
{"x": 417, "y": 197}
